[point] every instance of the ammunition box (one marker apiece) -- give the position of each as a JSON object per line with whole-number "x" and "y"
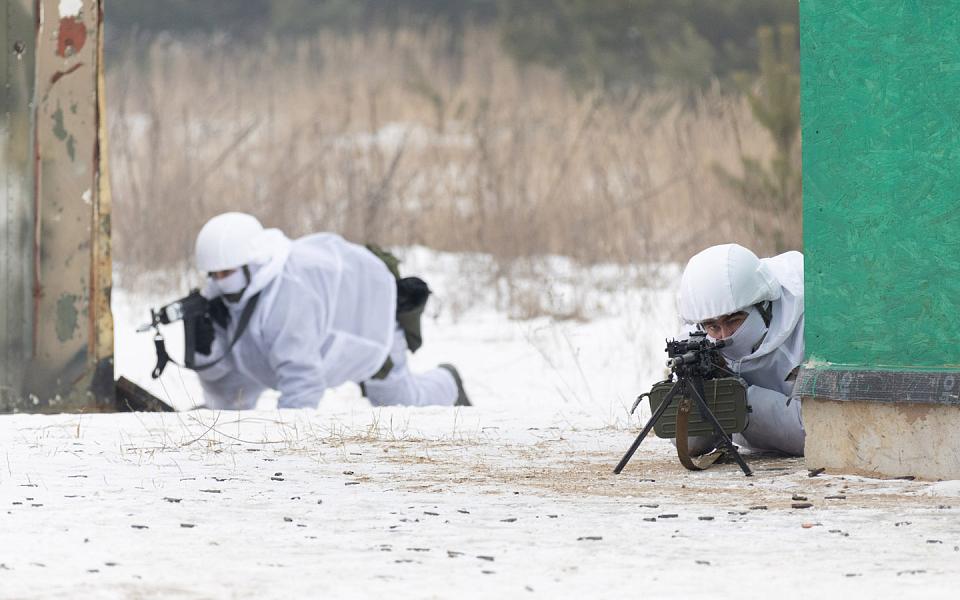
{"x": 726, "y": 398}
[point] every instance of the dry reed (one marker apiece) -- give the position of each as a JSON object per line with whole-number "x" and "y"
{"x": 388, "y": 137}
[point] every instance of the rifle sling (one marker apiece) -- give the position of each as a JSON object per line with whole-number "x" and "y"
{"x": 683, "y": 449}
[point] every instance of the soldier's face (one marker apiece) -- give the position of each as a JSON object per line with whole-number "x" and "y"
{"x": 218, "y": 275}
{"x": 725, "y": 326}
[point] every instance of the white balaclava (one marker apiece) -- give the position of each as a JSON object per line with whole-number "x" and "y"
{"x": 234, "y": 283}
{"x": 747, "y": 337}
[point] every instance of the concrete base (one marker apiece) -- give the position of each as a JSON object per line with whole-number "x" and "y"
{"x": 883, "y": 439}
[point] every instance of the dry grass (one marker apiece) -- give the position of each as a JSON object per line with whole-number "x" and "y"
{"x": 386, "y": 137}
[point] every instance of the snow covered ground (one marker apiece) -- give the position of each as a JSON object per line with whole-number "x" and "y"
{"x": 512, "y": 498}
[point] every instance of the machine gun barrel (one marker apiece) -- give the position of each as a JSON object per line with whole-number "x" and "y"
{"x": 683, "y": 359}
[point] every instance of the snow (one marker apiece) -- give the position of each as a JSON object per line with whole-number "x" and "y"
{"x": 944, "y": 488}
{"x": 70, "y": 8}
{"x": 514, "y": 497}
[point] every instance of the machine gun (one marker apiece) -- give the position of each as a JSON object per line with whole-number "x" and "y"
{"x": 188, "y": 309}
{"x": 696, "y": 378}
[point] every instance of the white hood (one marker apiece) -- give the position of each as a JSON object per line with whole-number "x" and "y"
{"x": 273, "y": 248}
{"x": 782, "y": 349}
{"x": 722, "y": 280}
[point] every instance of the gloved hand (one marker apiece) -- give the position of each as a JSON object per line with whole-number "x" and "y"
{"x": 203, "y": 334}
{"x": 218, "y": 312}
{"x": 412, "y": 294}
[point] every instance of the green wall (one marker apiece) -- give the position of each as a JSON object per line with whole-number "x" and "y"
{"x": 881, "y": 182}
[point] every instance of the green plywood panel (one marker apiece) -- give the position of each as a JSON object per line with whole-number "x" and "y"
{"x": 881, "y": 182}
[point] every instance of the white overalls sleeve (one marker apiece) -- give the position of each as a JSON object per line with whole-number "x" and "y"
{"x": 224, "y": 386}
{"x": 774, "y": 422}
{"x": 294, "y": 337}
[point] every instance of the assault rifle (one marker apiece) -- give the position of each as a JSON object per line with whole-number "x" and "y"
{"x": 188, "y": 309}
{"x": 191, "y": 309}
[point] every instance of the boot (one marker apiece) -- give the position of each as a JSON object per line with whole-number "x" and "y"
{"x": 462, "y": 399}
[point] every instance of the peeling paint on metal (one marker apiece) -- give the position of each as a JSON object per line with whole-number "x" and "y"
{"x": 63, "y": 135}
{"x": 71, "y": 37}
{"x": 60, "y": 74}
{"x": 67, "y": 328}
{"x": 16, "y": 189}
{"x": 58, "y": 129}
{"x": 66, "y": 316}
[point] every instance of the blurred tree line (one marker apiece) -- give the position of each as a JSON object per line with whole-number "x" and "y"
{"x": 612, "y": 42}
{"x": 608, "y": 43}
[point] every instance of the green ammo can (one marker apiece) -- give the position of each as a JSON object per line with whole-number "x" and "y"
{"x": 726, "y": 397}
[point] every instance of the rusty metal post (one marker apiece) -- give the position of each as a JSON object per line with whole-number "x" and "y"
{"x": 17, "y": 37}
{"x": 56, "y": 329}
